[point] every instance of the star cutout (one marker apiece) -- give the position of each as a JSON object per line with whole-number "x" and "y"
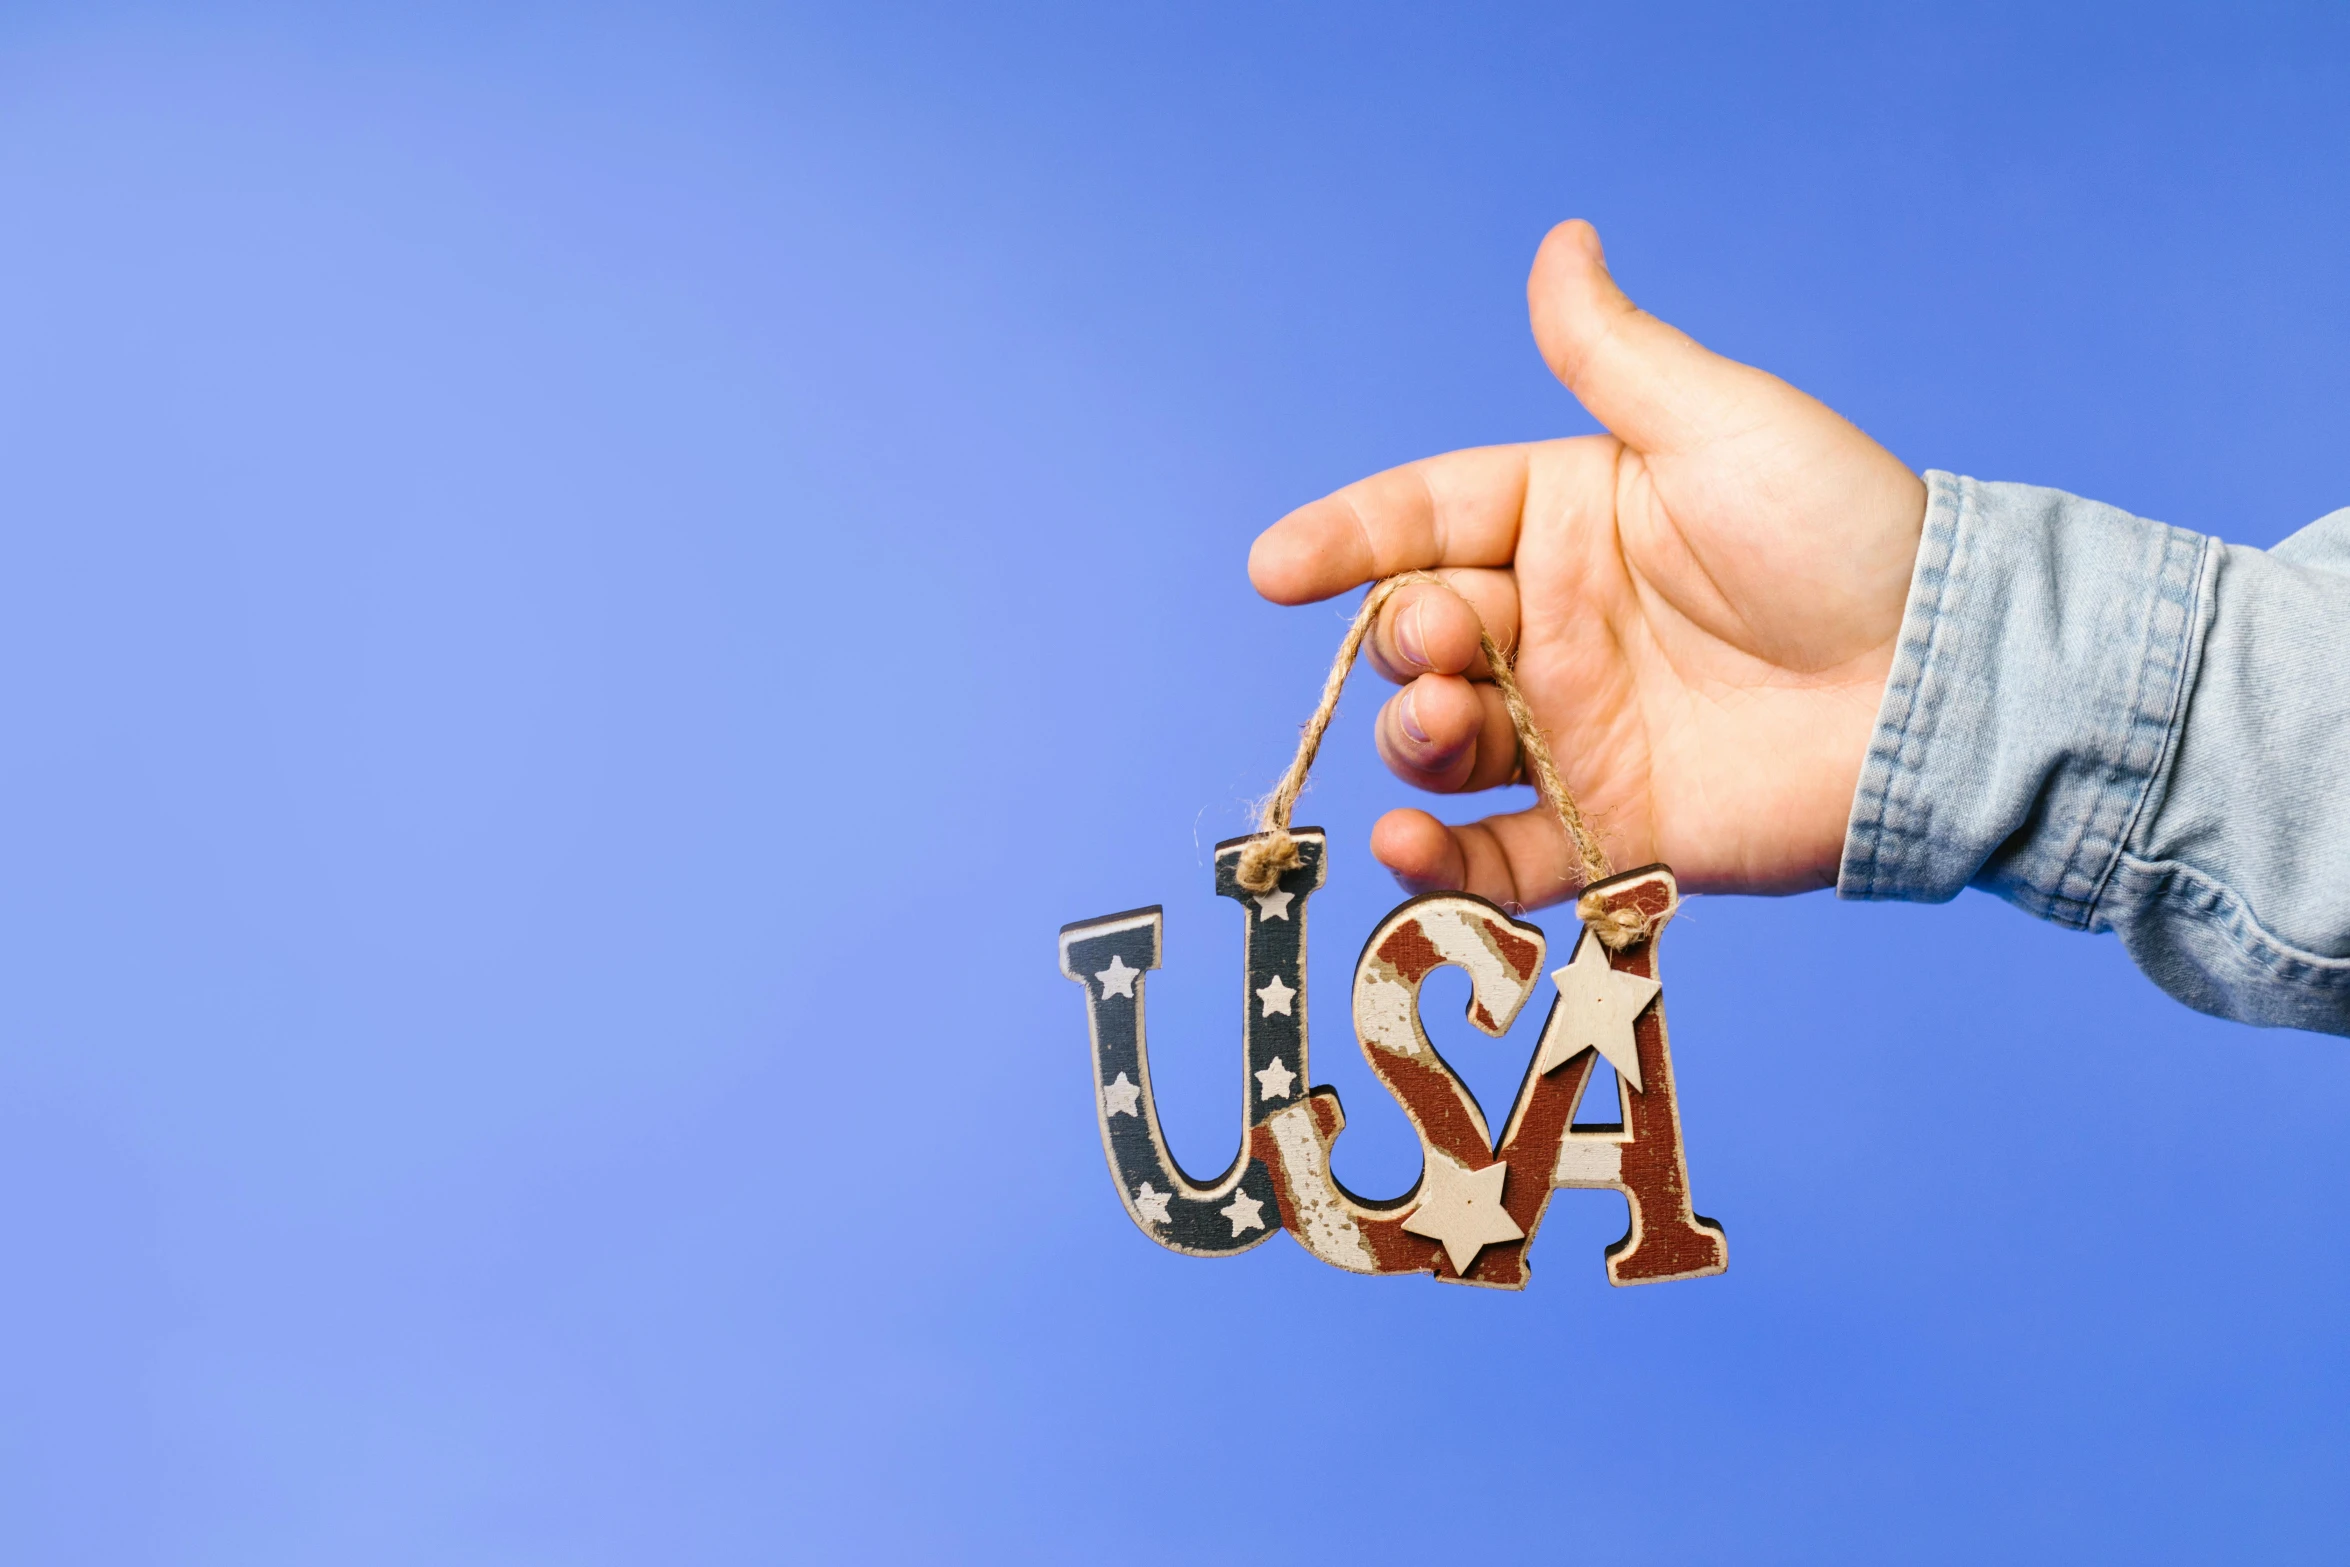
{"x": 1118, "y": 979}
{"x": 1273, "y": 906}
{"x": 1118, "y": 1097}
{"x": 1244, "y": 1211}
{"x": 1275, "y": 1081}
{"x": 1596, "y": 1009}
{"x": 1461, "y": 1208}
{"x": 1276, "y": 996}
{"x": 1151, "y": 1205}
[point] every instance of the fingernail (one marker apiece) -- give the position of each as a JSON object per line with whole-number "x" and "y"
{"x": 1407, "y": 637}
{"x": 1409, "y": 715}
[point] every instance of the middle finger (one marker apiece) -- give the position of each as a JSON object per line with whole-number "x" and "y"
{"x": 1431, "y": 627}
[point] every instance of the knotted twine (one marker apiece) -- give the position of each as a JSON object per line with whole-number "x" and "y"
{"x": 1273, "y": 850}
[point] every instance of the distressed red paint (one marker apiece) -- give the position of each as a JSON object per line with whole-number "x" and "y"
{"x": 1519, "y": 953}
{"x": 1668, "y": 1239}
{"x": 1410, "y": 953}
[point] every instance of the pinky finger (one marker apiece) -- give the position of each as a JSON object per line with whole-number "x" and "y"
{"x": 1519, "y": 860}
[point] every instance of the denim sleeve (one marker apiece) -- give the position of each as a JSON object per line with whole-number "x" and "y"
{"x": 2119, "y": 725}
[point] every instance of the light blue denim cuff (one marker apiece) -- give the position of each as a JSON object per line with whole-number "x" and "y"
{"x": 2044, "y": 658}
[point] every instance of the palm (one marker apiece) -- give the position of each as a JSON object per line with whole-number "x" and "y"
{"x": 1703, "y": 611}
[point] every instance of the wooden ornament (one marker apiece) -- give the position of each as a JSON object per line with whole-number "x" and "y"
{"x": 1237, "y": 1209}
{"x": 1481, "y": 1196}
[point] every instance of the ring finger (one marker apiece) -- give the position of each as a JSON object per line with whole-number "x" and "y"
{"x": 1448, "y": 735}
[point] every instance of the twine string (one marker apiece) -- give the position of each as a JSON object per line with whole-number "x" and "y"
{"x": 1273, "y": 850}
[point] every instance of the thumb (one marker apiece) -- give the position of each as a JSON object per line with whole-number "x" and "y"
{"x": 1654, "y": 386}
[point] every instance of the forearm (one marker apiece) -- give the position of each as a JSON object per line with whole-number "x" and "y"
{"x": 2118, "y": 725}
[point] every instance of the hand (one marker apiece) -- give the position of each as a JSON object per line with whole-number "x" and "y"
{"x": 1703, "y": 606}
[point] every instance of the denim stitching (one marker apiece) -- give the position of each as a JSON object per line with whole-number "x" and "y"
{"x": 2132, "y": 747}
{"x": 2196, "y": 609}
{"x": 2118, "y": 781}
{"x": 2253, "y": 940}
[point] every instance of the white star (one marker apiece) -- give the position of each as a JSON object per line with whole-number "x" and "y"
{"x": 1596, "y": 1009}
{"x": 1275, "y": 1081}
{"x": 1151, "y": 1205}
{"x": 1244, "y": 1211}
{"x": 1118, "y": 979}
{"x": 1461, "y": 1208}
{"x": 1276, "y": 996}
{"x": 1118, "y": 1096}
{"x": 1273, "y": 906}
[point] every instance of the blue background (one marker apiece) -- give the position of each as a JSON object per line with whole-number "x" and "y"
{"x": 582, "y": 592}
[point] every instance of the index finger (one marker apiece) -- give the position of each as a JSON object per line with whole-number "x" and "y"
{"x": 1460, "y": 509}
